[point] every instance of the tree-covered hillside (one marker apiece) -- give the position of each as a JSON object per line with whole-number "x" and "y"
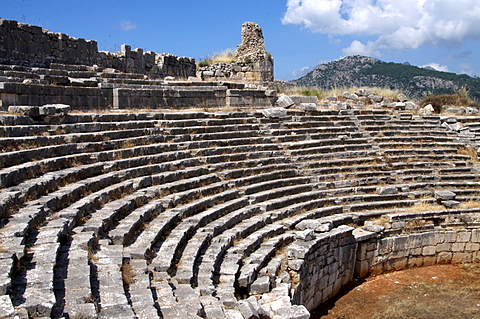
{"x": 361, "y": 71}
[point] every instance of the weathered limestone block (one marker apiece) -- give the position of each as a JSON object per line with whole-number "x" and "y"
{"x": 81, "y": 311}
{"x": 350, "y": 96}
{"x": 284, "y": 101}
{"x": 308, "y": 107}
{"x": 402, "y": 97}
{"x": 260, "y": 285}
{"x": 6, "y": 307}
{"x": 443, "y": 195}
{"x": 276, "y": 112}
{"x": 387, "y": 190}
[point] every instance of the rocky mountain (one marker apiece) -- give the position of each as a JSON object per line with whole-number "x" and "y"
{"x": 362, "y": 71}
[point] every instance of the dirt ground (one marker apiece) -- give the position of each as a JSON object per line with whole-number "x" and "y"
{"x": 442, "y": 291}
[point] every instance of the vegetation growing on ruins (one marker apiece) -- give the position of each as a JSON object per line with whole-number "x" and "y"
{"x": 225, "y": 56}
{"x": 459, "y": 98}
{"x": 294, "y": 90}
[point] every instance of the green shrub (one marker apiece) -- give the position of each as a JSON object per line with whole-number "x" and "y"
{"x": 203, "y": 63}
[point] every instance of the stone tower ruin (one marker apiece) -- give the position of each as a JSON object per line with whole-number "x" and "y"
{"x": 252, "y": 47}
{"x": 252, "y": 65}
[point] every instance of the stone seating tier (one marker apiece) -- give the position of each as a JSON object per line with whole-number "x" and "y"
{"x": 221, "y": 214}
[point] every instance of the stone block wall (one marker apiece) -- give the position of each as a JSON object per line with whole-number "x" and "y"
{"x": 86, "y": 98}
{"x": 322, "y": 265}
{"x": 380, "y": 255}
{"x": 23, "y": 44}
{"x": 256, "y": 72}
{"x": 176, "y": 97}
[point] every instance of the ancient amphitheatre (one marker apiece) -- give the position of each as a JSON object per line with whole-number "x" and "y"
{"x": 134, "y": 187}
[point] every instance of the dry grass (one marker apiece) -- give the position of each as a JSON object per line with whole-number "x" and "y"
{"x": 92, "y": 257}
{"x": 128, "y": 144}
{"x": 438, "y": 101}
{"x": 417, "y": 223}
{"x": 225, "y": 56}
{"x": 423, "y": 206}
{"x": 469, "y": 151}
{"x": 382, "y": 221}
{"x": 471, "y": 204}
{"x": 443, "y": 300}
{"x": 336, "y": 92}
{"x": 128, "y": 276}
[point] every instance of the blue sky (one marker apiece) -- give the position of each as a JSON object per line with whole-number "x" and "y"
{"x": 299, "y": 34}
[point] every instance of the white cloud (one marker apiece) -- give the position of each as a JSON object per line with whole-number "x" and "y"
{"x": 126, "y": 25}
{"x": 436, "y": 66}
{"x": 394, "y": 24}
{"x": 301, "y": 72}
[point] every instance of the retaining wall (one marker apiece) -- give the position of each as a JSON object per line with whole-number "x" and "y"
{"x": 331, "y": 260}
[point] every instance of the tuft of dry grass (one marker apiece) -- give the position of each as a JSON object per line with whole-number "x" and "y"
{"x": 382, "y": 221}
{"x": 423, "y": 206}
{"x": 225, "y": 56}
{"x": 335, "y": 92}
{"x": 469, "y": 151}
{"x": 128, "y": 276}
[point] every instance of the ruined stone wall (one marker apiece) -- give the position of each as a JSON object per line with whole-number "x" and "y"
{"x": 257, "y": 72}
{"x": 253, "y": 64}
{"x": 23, "y": 44}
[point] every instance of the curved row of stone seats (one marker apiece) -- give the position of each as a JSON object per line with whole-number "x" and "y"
{"x": 90, "y": 226}
{"x": 200, "y": 236}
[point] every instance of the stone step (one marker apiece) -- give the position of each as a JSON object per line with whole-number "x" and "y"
{"x": 178, "y": 237}
{"x": 337, "y": 147}
{"x": 139, "y": 289}
{"x": 30, "y": 216}
{"x": 31, "y": 142}
{"x": 159, "y": 226}
{"x": 33, "y": 130}
{"x": 281, "y": 191}
{"x": 317, "y": 130}
{"x": 414, "y": 138}
{"x": 79, "y": 298}
{"x": 259, "y": 258}
{"x": 49, "y": 182}
{"x": 347, "y": 155}
{"x": 314, "y": 143}
{"x": 293, "y": 138}
{"x": 108, "y": 261}
{"x": 241, "y": 157}
{"x": 166, "y": 301}
{"x": 207, "y": 236}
